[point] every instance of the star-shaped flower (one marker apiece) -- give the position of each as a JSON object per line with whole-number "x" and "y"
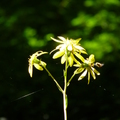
{"x": 69, "y": 48}
{"x": 88, "y": 67}
{"x": 34, "y": 61}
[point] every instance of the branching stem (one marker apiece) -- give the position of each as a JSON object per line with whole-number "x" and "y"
{"x": 59, "y": 87}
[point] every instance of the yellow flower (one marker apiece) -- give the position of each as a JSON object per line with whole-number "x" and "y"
{"x": 68, "y": 48}
{"x": 34, "y": 61}
{"x": 88, "y": 67}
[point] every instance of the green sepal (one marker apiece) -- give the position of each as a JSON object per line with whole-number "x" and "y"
{"x": 37, "y": 61}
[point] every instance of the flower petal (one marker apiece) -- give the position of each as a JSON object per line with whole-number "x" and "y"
{"x": 37, "y": 66}
{"x": 62, "y": 38}
{"x": 78, "y": 40}
{"x": 58, "y": 54}
{"x": 88, "y": 77}
{"x": 60, "y": 46}
{"x": 95, "y": 71}
{"x": 83, "y": 51}
{"x": 77, "y": 65}
{"x": 79, "y": 47}
{"x": 70, "y": 60}
{"x": 53, "y": 50}
{"x": 63, "y": 47}
{"x": 92, "y": 58}
{"x": 75, "y": 41}
{"x": 56, "y": 40}
{"x": 93, "y": 74}
{"x": 63, "y": 59}
{"x": 39, "y": 53}
{"x": 83, "y": 75}
{"x": 30, "y": 70}
{"x": 78, "y": 70}
{"x": 43, "y": 63}
{"x": 79, "y": 56}
{"x": 74, "y": 59}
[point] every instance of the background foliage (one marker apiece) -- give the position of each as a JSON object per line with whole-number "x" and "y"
{"x": 26, "y": 27}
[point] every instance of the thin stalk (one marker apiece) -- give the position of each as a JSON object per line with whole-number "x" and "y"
{"x": 65, "y": 88}
{"x": 64, "y": 105}
{"x": 59, "y": 87}
{"x": 68, "y": 83}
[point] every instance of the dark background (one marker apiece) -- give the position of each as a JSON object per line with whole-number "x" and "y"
{"x": 26, "y": 27}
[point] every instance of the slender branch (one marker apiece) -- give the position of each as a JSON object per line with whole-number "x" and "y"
{"x": 59, "y": 87}
{"x": 68, "y": 83}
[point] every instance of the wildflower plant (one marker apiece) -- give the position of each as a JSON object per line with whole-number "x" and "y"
{"x": 70, "y": 51}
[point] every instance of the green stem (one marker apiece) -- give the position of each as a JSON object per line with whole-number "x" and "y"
{"x": 59, "y": 87}
{"x": 65, "y": 88}
{"x": 65, "y": 105}
{"x": 68, "y": 83}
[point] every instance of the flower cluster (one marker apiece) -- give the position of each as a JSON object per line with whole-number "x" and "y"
{"x": 71, "y": 52}
{"x": 87, "y": 66}
{"x": 68, "y": 49}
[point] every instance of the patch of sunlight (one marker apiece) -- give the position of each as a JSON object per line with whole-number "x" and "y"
{"x": 90, "y": 44}
{"x": 91, "y": 22}
{"x": 115, "y": 2}
{"x": 84, "y": 19}
{"x": 103, "y": 14}
{"x": 104, "y": 40}
{"x": 33, "y": 42}
{"x": 75, "y": 21}
{"x": 108, "y": 48}
{"x": 112, "y": 26}
{"x": 47, "y": 36}
{"x": 29, "y": 32}
{"x": 79, "y": 19}
{"x": 93, "y": 47}
{"x": 103, "y": 37}
{"x": 89, "y": 3}
{"x": 109, "y": 40}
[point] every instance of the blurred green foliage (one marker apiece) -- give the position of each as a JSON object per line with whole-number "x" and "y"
{"x": 26, "y": 26}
